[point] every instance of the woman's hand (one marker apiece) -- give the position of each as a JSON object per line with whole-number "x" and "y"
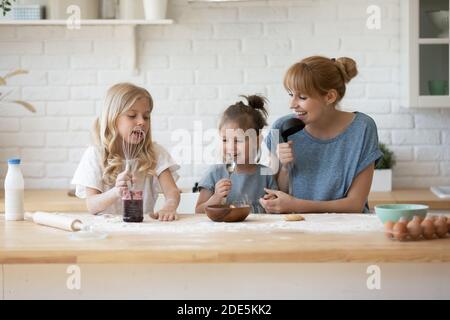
{"x": 222, "y": 188}
{"x": 285, "y": 153}
{"x": 165, "y": 215}
{"x": 122, "y": 182}
{"x": 277, "y": 201}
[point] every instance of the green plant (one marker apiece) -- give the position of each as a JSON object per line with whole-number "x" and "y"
{"x": 387, "y": 161}
{"x": 5, "y": 6}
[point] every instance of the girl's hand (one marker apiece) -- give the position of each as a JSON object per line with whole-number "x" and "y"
{"x": 122, "y": 182}
{"x": 223, "y": 188}
{"x": 165, "y": 215}
{"x": 277, "y": 201}
{"x": 285, "y": 153}
{"x": 269, "y": 197}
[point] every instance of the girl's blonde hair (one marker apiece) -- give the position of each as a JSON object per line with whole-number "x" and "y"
{"x": 315, "y": 76}
{"x": 119, "y": 99}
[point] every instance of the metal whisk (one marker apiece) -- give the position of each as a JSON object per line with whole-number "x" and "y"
{"x": 132, "y": 146}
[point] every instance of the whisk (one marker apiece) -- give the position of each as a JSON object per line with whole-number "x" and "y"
{"x": 132, "y": 145}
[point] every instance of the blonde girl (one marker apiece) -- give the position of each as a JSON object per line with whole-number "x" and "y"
{"x": 101, "y": 177}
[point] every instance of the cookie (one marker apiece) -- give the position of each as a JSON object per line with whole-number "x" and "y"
{"x": 294, "y": 217}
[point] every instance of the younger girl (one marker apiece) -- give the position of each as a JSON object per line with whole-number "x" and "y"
{"x": 332, "y": 160}
{"x": 101, "y": 177}
{"x": 239, "y": 128}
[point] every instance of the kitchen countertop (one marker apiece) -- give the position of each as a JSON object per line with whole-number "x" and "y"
{"x": 27, "y": 243}
{"x": 58, "y": 200}
{"x": 24, "y": 242}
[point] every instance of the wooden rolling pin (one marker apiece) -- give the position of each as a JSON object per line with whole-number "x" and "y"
{"x": 55, "y": 221}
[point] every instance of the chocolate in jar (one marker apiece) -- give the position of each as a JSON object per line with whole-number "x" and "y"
{"x": 133, "y": 207}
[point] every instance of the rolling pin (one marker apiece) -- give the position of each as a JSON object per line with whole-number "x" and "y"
{"x": 55, "y": 221}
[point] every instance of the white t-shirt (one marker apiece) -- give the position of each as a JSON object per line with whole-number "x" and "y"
{"x": 89, "y": 174}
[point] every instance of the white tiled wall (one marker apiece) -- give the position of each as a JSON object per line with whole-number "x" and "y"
{"x": 198, "y": 66}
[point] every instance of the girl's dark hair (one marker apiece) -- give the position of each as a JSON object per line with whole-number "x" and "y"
{"x": 252, "y": 115}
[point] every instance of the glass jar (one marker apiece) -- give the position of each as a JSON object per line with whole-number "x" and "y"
{"x": 133, "y": 206}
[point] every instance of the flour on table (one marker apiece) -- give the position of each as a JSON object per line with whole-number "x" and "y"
{"x": 197, "y": 224}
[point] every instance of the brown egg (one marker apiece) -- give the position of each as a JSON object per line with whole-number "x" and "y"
{"x": 428, "y": 228}
{"x": 441, "y": 227}
{"x": 388, "y": 226}
{"x": 400, "y": 231}
{"x": 414, "y": 228}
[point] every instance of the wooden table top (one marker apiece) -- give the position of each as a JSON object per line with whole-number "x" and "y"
{"x": 60, "y": 201}
{"x": 27, "y": 243}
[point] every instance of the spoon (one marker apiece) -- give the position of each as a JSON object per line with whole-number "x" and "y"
{"x": 230, "y": 166}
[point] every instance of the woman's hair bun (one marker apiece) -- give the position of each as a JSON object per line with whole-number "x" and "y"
{"x": 348, "y": 68}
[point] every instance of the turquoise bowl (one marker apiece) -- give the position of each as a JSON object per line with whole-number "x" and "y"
{"x": 393, "y": 212}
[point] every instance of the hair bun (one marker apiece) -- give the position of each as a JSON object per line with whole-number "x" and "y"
{"x": 348, "y": 68}
{"x": 257, "y": 102}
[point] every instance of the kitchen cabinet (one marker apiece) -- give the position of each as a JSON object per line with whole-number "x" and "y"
{"x": 425, "y": 54}
{"x": 273, "y": 263}
{"x": 222, "y": 264}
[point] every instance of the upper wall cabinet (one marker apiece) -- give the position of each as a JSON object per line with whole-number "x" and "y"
{"x": 425, "y": 54}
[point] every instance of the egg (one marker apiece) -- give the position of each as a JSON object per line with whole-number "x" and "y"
{"x": 414, "y": 228}
{"x": 388, "y": 226}
{"x": 400, "y": 231}
{"x": 428, "y": 228}
{"x": 441, "y": 227}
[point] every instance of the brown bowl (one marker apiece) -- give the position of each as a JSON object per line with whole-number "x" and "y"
{"x": 224, "y": 213}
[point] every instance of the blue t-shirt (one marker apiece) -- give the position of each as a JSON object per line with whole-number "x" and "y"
{"x": 245, "y": 189}
{"x": 324, "y": 170}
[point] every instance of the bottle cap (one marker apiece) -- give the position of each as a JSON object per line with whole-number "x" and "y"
{"x": 14, "y": 161}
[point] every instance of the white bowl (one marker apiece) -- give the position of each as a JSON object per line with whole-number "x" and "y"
{"x": 440, "y": 21}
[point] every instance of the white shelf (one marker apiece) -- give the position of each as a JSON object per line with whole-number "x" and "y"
{"x": 98, "y": 22}
{"x": 432, "y": 102}
{"x": 434, "y": 41}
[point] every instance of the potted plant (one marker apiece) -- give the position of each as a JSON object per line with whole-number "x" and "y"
{"x": 382, "y": 178}
{"x": 5, "y": 6}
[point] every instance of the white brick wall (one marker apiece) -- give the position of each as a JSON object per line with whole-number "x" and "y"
{"x": 197, "y": 67}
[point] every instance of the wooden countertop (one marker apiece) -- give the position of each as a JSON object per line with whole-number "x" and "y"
{"x": 49, "y": 201}
{"x": 27, "y": 243}
{"x": 58, "y": 200}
